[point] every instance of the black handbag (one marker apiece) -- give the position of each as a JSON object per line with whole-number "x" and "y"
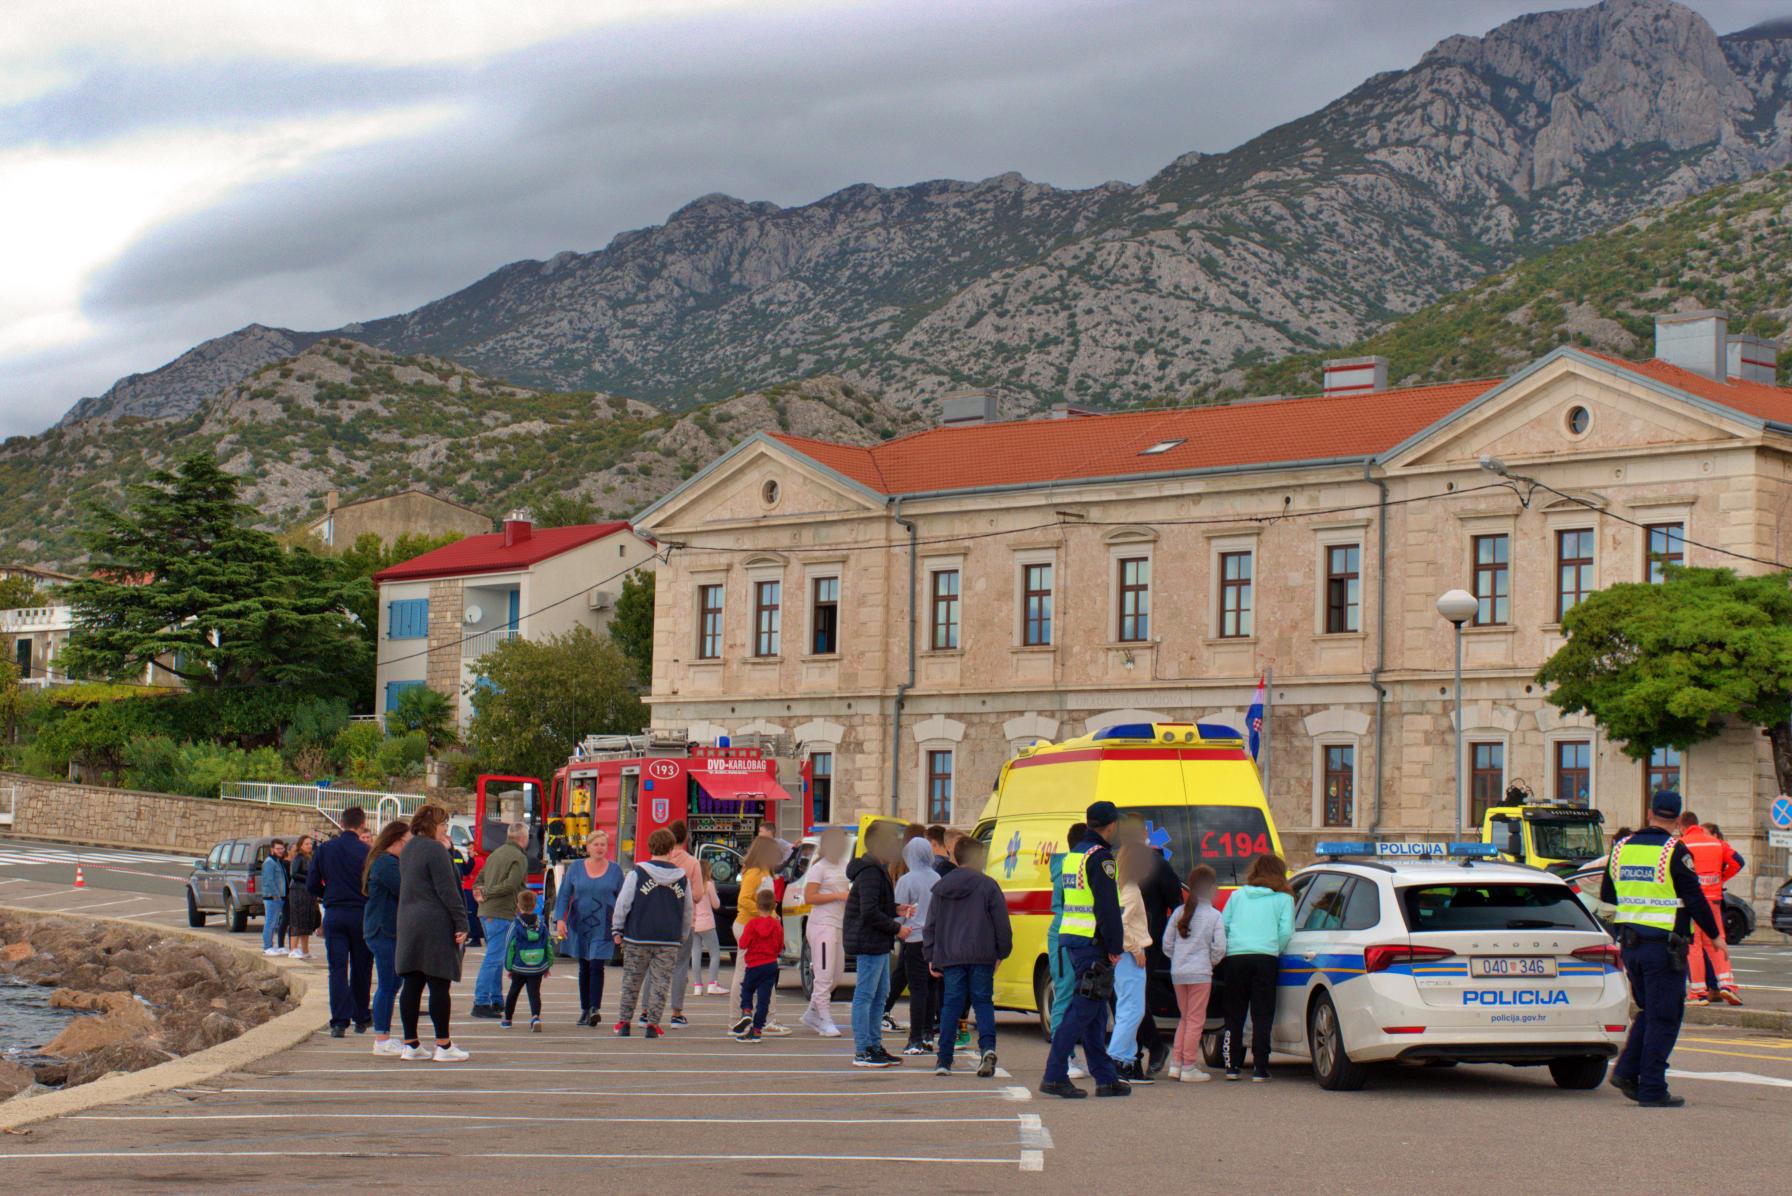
{"x": 1096, "y": 984}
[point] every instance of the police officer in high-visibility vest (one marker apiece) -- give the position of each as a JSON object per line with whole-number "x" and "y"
{"x": 1090, "y": 931}
{"x": 1651, "y": 879}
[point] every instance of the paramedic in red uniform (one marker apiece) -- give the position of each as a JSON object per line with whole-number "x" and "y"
{"x": 1716, "y": 862}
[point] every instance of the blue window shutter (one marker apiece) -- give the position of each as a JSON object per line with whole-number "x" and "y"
{"x": 394, "y": 688}
{"x": 407, "y": 619}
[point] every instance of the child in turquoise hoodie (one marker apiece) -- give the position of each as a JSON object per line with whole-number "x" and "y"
{"x": 1259, "y": 920}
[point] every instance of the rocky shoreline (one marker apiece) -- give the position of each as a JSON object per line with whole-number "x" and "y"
{"x": 145, "y": 998}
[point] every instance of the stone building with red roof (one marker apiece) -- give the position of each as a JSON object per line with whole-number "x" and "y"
{"x": 441, "y": 611}
{"x": 914, "y": 611}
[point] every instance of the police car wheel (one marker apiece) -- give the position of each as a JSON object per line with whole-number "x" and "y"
{"x": 1332, "y": 1065}
{"x": 1581, "y": 1073}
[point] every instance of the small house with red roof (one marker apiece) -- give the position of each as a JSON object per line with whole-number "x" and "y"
{"x": 914, "y": 611}
{"x": 442, "y": 611}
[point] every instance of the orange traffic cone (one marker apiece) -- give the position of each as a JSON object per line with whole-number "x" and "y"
{"x": 80, "y": 880}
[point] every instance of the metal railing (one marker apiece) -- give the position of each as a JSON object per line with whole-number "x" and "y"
{"x": 475, "y": 646}
{"x": 328, "y": 801}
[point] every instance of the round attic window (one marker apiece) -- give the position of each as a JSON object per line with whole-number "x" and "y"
{"x": 768, "y": 493}
{"x": 1579, "y": 420}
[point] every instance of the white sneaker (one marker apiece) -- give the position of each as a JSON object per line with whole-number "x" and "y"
{"x": 388, "y": 1046}
{"x": 1195, "y": 1075}
{"x": 1075, "y": 1072}
{"x": 451, "y": 1054}
{"x": 776, "y": 1029}
{"x": 1175, "y": 1071}
{"x": 273, "y": 951}
{"x": 812, "y": 1020}
{"x": 716, "y": 990}
{"x": 696, "y": 990}
{"x": 416, "y": 1053}
{"x": 829, "y": 1031}
{"x": 297, "y": 955}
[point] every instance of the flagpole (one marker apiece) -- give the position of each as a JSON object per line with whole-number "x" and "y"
{"x": 1268, "y": 685}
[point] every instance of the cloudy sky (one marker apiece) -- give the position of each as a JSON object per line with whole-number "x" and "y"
{"x": 170, "y": 171}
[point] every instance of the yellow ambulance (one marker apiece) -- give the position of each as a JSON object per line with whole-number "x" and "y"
{"x": 1194, "y": 783}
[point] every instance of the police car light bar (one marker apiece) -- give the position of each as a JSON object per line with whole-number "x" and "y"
{"x": 1408, "y": 850}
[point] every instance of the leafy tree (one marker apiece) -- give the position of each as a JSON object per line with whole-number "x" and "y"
{"x": 1667, "y": 665}
{"x": 560, "y": 509}
{"x": 535, "y": 700}
{"x": 182, "y": 578}
{"x": 631, "y": 623}
{"x": 420, "y": 708}
{"x": 13, "y": 701}
{"x": 17, "y": 593}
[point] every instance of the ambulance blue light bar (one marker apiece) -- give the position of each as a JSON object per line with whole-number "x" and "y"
{"x": 1408, "y": 850}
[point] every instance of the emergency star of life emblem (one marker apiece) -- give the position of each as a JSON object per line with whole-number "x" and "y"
{"x": 662, "y": 809}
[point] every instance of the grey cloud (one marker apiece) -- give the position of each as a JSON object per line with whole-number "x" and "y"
{"x": 563, "y": 145}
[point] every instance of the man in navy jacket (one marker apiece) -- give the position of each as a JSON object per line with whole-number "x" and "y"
{"x": 335, "y": 880}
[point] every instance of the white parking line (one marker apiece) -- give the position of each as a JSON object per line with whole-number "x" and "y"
{"x": 1020, "y": 1121}
{"x": 531, "y": 1069}
{"x": 1731, "y": 1077}
{"x": 529, "y": 1156}
{"x": 1010, "y": 1093}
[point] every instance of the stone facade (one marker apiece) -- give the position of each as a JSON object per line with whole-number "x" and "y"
{"x": 393, "y": 515}
{"x": 65, "y": 812}
{"x": 1617, "y": 448}
{"x": 447, "y": 604}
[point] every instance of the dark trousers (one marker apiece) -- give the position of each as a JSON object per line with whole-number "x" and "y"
{"x": 1250, "y": 988}
{"x": 475, "y": 928}
{"x": 410, "y": 1004}
{"x": 1659, "y": 989}
{"x": 518, "y": 984}
{"x": 1159, "y": 994}
{"x": 591, "y": 984}
{"x": 351, "y": 966}
{"x": 899, "y": 978}
{"x": 969, "y": 986}
{"x": 756, "y": 991}
{"x": 1084, "y": 1024}
{"x": 924, "y": 994}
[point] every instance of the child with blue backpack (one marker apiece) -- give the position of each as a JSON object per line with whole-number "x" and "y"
{"x": 527, "y": 957}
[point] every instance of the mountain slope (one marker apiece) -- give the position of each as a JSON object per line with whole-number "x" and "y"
{"x": 343, "y": 416}
{"x": 1315, "y": 233}
{"x": 1729, "y": 248}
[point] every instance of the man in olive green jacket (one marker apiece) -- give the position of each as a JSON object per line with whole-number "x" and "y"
{"x": 505, "y": 873}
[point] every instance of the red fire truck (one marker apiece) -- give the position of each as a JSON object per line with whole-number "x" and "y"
{"x": 633, "y": 785}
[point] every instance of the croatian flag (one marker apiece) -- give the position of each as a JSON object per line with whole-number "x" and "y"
{"x": 1253, "y": 720}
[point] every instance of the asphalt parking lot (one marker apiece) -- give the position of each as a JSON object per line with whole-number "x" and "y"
{"x": 575, "y": 1105}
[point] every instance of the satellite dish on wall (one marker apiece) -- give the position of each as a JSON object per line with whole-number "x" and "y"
{"x": 472, "y": 615}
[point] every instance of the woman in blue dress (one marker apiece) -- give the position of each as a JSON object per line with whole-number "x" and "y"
{"x": 582, "y": 912}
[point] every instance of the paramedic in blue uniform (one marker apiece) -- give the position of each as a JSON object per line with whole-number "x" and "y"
{"x": 1656, "y": 909}
{"x": 1090, "y": 932}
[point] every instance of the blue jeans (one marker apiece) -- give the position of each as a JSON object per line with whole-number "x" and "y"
{"x": 871, "y": 987}
{"x": 1129, "y": 1010}
{"x": 1660, "y": 993}
{"x": 386, "y": 972}
{"x": 756, "y": 992}
{"x": 488, "y": 989}
{"x": 1083, "y": 1023}
{"x": 351, "y": 965}
{"x": 273, "y": 922}
{"x": 971, "y": 985}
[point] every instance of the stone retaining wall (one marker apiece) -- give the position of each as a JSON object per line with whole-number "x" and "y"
{"x": 91, "y": 814}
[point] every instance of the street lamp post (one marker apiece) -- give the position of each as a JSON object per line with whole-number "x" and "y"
{"x": 1458, "y": 607}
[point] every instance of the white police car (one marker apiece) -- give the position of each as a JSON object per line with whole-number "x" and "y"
{"x": 1422, "y": 952}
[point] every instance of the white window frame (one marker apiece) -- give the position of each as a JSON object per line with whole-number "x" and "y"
{"x": 1126, "y": 550}
{"x": 924, "y": 780}
{"x": 1570, "y": 735}
{"x": 1022, "y": 559}
{"x": 822, "y": 571}
{"x": 1217, "y": 547}
{"x": 924, "y": 616}
{"x": 698, "y": 582}
{"x": 1325, "y": 539}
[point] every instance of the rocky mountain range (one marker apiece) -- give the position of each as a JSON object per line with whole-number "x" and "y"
{"x": 1315, "y": 233}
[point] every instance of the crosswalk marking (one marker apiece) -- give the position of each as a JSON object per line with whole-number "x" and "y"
{"x": 38, "y": 856}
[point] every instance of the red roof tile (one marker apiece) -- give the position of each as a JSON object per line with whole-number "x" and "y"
{"x": 1034, "y": 452}
{"x": 487, "y": 554}
{"x": 1762, "y": 400}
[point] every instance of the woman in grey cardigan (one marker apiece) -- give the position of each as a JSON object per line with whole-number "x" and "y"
{"x": 432, "y": 927}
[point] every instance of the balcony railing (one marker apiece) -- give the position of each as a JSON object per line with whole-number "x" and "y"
{"x": 37, "y": 618}
{"x": 475, "y": 646}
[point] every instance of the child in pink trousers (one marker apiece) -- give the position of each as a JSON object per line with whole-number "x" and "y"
{"x": 1195, "y": 941}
